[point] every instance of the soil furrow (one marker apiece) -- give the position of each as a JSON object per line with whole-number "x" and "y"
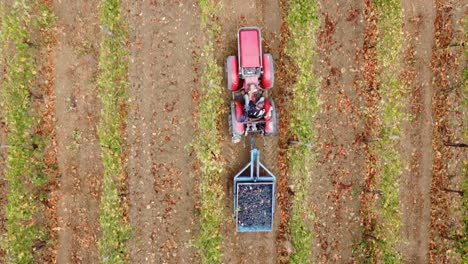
{"x": 341, "y": 155}
{"x": 163, "y": 37}
{"x": 77, "y": 108}
{"x": 140, "y": 180}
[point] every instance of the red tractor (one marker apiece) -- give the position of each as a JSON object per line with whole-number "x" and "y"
{"x": 249, "y": 76}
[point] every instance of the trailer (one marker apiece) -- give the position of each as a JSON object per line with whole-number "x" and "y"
{"x": 254, "y": 195}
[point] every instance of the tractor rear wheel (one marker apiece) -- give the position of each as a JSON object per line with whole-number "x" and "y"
{"x": 271, "y": 126}
{"x": 233, "y": 131}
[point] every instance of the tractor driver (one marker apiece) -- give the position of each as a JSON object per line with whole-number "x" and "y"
{"x": 253, "y": 107}
{"x": 251, "y": 96}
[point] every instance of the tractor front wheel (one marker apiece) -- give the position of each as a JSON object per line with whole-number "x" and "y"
{"x": 268, "y": 76}
{"x": 232, "y": 75}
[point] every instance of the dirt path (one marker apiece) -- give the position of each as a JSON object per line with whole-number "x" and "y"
{"x": 416, "y": 181}
{"x": 338, "y": 178}
{"x": 247, "y": 247}
{"x": 77, "y": 113}
{"x": 163, "y": 37}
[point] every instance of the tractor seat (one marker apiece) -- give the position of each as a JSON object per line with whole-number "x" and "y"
{"x": 257, "y": 119}
{"x": 239, "y": 112}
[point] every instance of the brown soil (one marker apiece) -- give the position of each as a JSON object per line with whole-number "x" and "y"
{"x": 77, "y": 114}
{"x": 164, "y": 35}
{"x": 248, "y": 247}
{"x": 339, "y": 175}
{"x": 417, "y": 143}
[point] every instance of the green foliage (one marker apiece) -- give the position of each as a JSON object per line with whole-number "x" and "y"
{"x": 207, "y": 144}
{"x": 388, "y": 207}
{"x": 303, "y": 14}
{"x": 389, "y": 48}
{"x": 301, "y": 216}
{"x": 390, "y": 164}
{"x": 303, "y": 23}
{"x": 24, "y": 163}
{"x": 208, "y": 18}
{"x": 112, "y": 83}
{"x": 46, "y": 18}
